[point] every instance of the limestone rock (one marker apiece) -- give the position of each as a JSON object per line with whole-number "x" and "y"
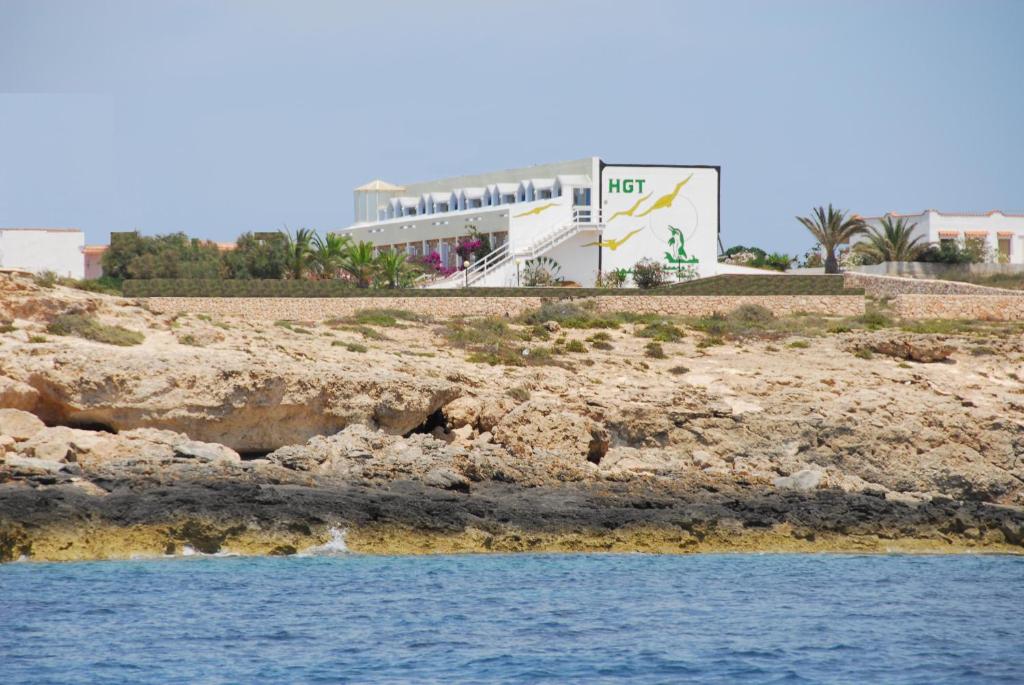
{"x": 19, "y": 424}
{"x": 547, "y": 427}
{"x": 492, "y": 411}
{"x": 446, "y": 479}
{"x": 462, "y": 411}
{"x": 912, "y": 348}
{"x": 805, "y": 479}
{"x": 32, "y": 464}
{"x": 17, "y": 395}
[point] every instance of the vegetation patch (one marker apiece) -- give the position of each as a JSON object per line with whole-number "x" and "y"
{"x": 90, "y": 328}
{"x": 491, "y": 340}
{"x": 679, "y": 370}
{"x": 387, "y": 318}
{"x": 654, "y": 350}
{"x": 661, "y": 331}
{"x": 799, "y": 345}
{"x": 350, "y": 346}
{"x": 576, "y": 346}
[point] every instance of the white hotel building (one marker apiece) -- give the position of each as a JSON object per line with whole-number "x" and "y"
{"x": 1004, "y": 233}
{"x": 587, "y": 215}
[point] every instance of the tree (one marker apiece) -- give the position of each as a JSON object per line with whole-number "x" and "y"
{"x": 259, "y": 255}
{"x": 393, "y": 269}
{"x": 299, "y": 250}
{"x": 359, "y": 263}
{"x": 328, "y": 254}
{"x": 893, "y": 241}
{"x": 831, "y": 229}
{"x": 648, "y": 273}
{"x": 174, "y": 255}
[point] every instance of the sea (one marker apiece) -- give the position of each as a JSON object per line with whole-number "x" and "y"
{"x": 336, "y": 617}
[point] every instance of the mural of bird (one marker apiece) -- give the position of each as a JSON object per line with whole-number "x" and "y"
{"x": 536, "y": 210}
{"x": 629, "y": 212}
{"x": 613, "y": 244}
{"x": 665, "y": 200}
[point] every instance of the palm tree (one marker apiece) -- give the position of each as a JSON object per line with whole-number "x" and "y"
{"x": 393, "y": 269}
{"x": 359, "y": 263}
{"x": 893, "y": 241}
{"x": 299, "y": 251}
{"x": 328, "y": 254}
{"x": 831, "y": 229}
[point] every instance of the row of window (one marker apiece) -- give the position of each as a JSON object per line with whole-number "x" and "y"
{"x": 473, "y": 198}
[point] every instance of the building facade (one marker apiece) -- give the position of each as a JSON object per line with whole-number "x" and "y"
{"x": 59, "y": 250}
{"x": 588, "y": 216}
{"x": 1003, "y": 233}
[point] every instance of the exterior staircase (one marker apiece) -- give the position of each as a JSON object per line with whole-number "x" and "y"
{"x": 497, "y": 268}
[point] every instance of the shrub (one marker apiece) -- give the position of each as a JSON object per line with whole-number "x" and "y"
{"x": 569, "y": 315}
{"x": 7, "y": 327}
{"x": 875, "y": 319}
{"x": 105, "y": 285}
{"x": 37, "y": 338}
{"x": 648, "y": 273}
{"x": 710, "y": 341}
{"x": 600, "y": 336}
{"x": 863, "y": 353}
{"x": 541, "y": 271}
{"x": 799, "y": 345}
{"x": 654, "y": 350}
{"x": 45, "y": 279}
{"x": 679, "y": 370}
{"x": 602, "y": 345}
{"x": 575, "y": 346}
{"x": 89, "y": 328}
{"x": 492, "y": 341}
{"x": 661, "y": 331}
{"x": 519, "y": 393}
{"x": 351, "y": 347}
{"x": 189, "y": 339}
{"x": 751, "y": 313}
{"x": 384, "y": 317}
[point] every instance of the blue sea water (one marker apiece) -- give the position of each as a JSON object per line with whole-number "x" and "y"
{"x": 516, "y": 618}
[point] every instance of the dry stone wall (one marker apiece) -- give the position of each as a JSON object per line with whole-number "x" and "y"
{"x": 891, "y": 286}
{"x": 978, "y": 307}
{"x": 315, "y": 309}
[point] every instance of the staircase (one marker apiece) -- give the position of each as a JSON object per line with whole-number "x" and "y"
{"x": 497, "y": 267}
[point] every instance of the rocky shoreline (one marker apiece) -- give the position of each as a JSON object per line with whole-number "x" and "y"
{"x": 414, "y": 436}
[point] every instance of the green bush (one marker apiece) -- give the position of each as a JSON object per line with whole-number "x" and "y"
{"x": 661, "y": 331}
{"x": 575, "y": 346}
{"x": 799, "y": 345}
{"x": 89, "y": 328}
{"x": 654, "y": 350}
{"x": 751, "y": 313}
{"x": 648, "y": 273}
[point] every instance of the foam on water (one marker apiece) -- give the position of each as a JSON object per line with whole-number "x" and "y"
{"x": 334, "y": 547}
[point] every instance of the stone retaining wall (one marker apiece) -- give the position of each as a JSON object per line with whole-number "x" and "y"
{"x": 315, "y": 309}
{"x": 891, "y": 286}
{"x": 979, "y": 307}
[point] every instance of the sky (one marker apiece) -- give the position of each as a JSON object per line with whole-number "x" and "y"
{"x": 224, "y": 116}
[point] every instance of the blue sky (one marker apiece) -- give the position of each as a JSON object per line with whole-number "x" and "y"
{"x": 220, "y": 117}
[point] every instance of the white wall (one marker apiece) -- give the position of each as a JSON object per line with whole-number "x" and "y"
{"x": 57, "y": 250}
{"x": 639, "y": 204}
{"x": 932, "y": 225}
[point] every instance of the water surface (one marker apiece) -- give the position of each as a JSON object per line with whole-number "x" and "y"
{"x": 516, "y": 618}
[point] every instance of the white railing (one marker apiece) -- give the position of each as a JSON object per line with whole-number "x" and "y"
{"x": 583, "y": 218}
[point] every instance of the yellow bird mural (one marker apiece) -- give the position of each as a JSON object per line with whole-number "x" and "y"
{"x": 536, "y": 210}
{"x": 629, "y": 212}
{"x": 665, "y": 200}
{"x": 613, "y": 244}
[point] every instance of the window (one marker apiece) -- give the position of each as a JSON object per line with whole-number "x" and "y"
{"x": 1004, "y": 248}
{"x": 508, "y": 199}
{"x": 474, "y": 204}
{"x": 543, "y": 194}
{"x": 581, "y": 197}
{"x": 441, "y": 207}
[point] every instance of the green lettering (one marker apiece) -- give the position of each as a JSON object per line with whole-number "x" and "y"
{"x": 613, "y": 185}
{"x": 627, "y": 185}
{"x": 640, "y": 185}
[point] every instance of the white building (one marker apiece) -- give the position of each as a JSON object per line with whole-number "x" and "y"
{"x": 587, "y": 215}
{"x": 59, "y": 250}
{"x": 1004, "y": 233}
